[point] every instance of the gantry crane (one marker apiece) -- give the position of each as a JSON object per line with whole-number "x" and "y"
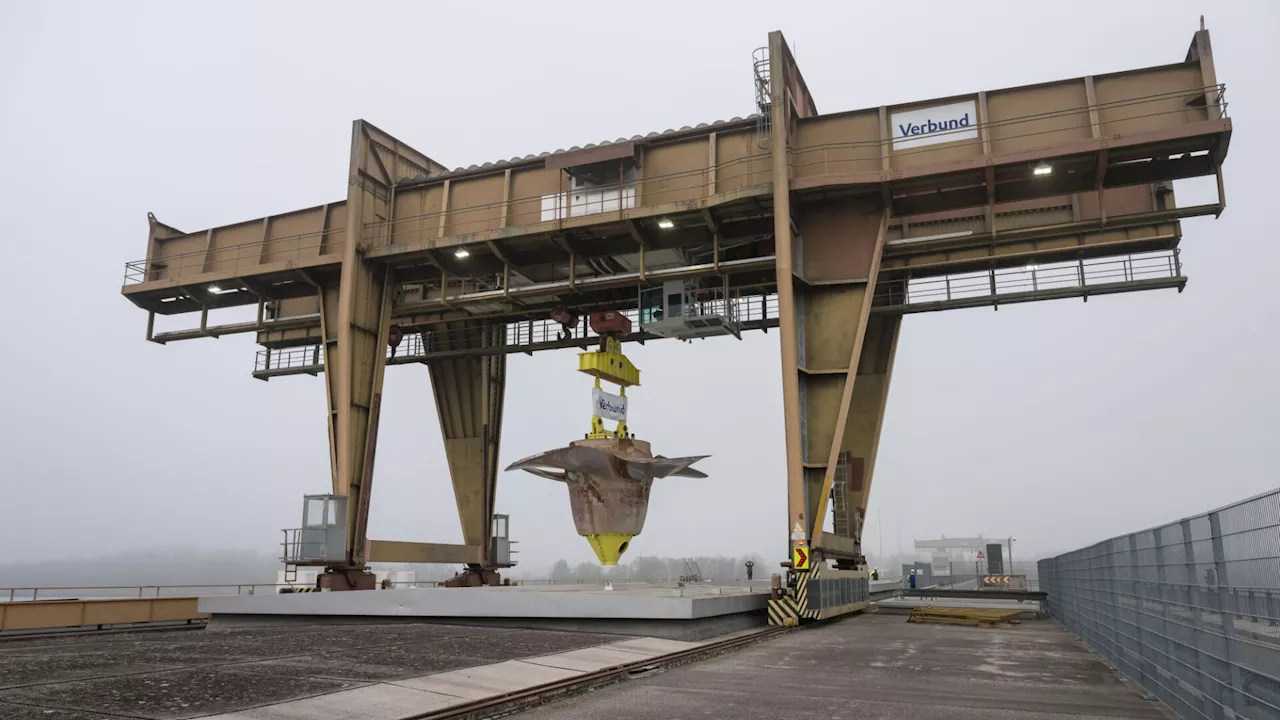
{"x": 829, "y": 227}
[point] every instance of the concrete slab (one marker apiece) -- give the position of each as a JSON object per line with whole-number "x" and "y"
{"x": 879, "y": 667}
{"x": 879, "y": 586}
{"x": 486, "y": 681}
{"x": 652, "y": 647}
{"x": 905, "y": 605}
{"x": 372, "y": 702}
{"x": 624, "y": 601}
{"x": 587, "y": 659}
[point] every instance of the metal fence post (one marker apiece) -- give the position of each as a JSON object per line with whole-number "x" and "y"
{"x": 1211, "y": 690}
{"x": 1138, "y": 613}
{"x": 1226, "y": 611}
{"x": 1169, "y": 652}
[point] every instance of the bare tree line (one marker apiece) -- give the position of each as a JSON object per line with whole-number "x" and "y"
{"x": 661, "y": 569}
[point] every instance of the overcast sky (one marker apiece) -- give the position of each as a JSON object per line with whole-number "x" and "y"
{"x": 1058, "y": 423}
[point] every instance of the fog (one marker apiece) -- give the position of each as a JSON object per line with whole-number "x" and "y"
{"x": 1058, "y": 423}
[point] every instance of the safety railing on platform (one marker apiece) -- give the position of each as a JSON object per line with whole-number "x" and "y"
{"x": 102, "y": 592}
{"x": 1190, "y": 610}
{"x": 752, "y": 312}
{"x": 307, "y": 357}
{"x": 125, "y": 592}
{"x": 1032, "y": 278}
{"x": 233, "y": 257}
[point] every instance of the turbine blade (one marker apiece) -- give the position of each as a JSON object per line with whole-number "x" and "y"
{"x": 662, "y": 466}
{"x": 577, "y": 459}
{"x": 558, "y": 477}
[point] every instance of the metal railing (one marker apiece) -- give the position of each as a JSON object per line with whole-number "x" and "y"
{"x": 99, "y": 592}
{"x": 108, "y": 592}
{"x": 1032, "y": 278}
{"x": 1190, "y": 610}
{"x": 750, "y": 311}
{"x": 241, "y": 256}
{"x": 308, "y": 358}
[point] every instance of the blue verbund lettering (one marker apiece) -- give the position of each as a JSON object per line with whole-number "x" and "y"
{"x": 930, "y": 126}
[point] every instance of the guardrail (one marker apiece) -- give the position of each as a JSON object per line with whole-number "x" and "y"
{"x": 1189, "y": 610}
{"x": 108, "y": 592}
{"x": 129, "y": 592}
{"x": 999, "y": 284}
{"x": 752, "y": 311}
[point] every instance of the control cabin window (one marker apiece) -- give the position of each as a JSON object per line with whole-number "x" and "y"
{"x": 599, "y": 188}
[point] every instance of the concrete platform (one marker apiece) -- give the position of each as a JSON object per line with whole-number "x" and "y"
{"x": 904, "y": 605}
{"x": 624, "y": 601}
{"x": 879, "y": 667}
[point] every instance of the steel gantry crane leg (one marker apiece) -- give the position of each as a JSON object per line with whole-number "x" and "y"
{"x": 469, "y": 393}
{"x": 355, "y": 320}
{"x": 836, "y": 359}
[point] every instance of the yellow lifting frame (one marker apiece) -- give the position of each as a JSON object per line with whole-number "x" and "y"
{"x": 609, "y": 363}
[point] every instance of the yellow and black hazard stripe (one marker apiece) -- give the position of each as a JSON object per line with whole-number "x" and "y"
{"x": 802, "y": 592}
{"x": 284, "y": 590}
{"x": 784, "y": 612}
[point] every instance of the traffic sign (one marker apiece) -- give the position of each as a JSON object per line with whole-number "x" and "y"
{"x": 800, "y": 558}
{"x": 981, "y": 556}
{"x": 797, "y": 532}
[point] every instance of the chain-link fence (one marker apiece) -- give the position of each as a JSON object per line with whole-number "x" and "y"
{"x": 1189, "y": 610}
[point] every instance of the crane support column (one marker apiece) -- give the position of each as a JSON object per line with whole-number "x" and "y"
{"x": 788, "y": 324}
{"x": 355, "y": 318}
{"x": 469, "y": 394}
{"x": 840, "y": 243}
{"x": 835, "y": 358}
{"x": 866, "y": 412}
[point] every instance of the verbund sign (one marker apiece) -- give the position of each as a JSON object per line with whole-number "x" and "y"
{"x": 608, "y": 405}
{"x": 940, "y": 124}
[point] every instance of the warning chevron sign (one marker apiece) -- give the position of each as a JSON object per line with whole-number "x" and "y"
{"x": 800, "y": 558}
{"x": 1000, "y": 581}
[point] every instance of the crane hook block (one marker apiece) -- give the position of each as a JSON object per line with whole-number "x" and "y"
{"x": 609, "y": 323}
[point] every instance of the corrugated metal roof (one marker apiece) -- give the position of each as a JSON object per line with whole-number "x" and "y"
{"x": 575, "y": 148}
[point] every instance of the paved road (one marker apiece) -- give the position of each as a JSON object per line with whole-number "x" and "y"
{"x": 881, "y": 667}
